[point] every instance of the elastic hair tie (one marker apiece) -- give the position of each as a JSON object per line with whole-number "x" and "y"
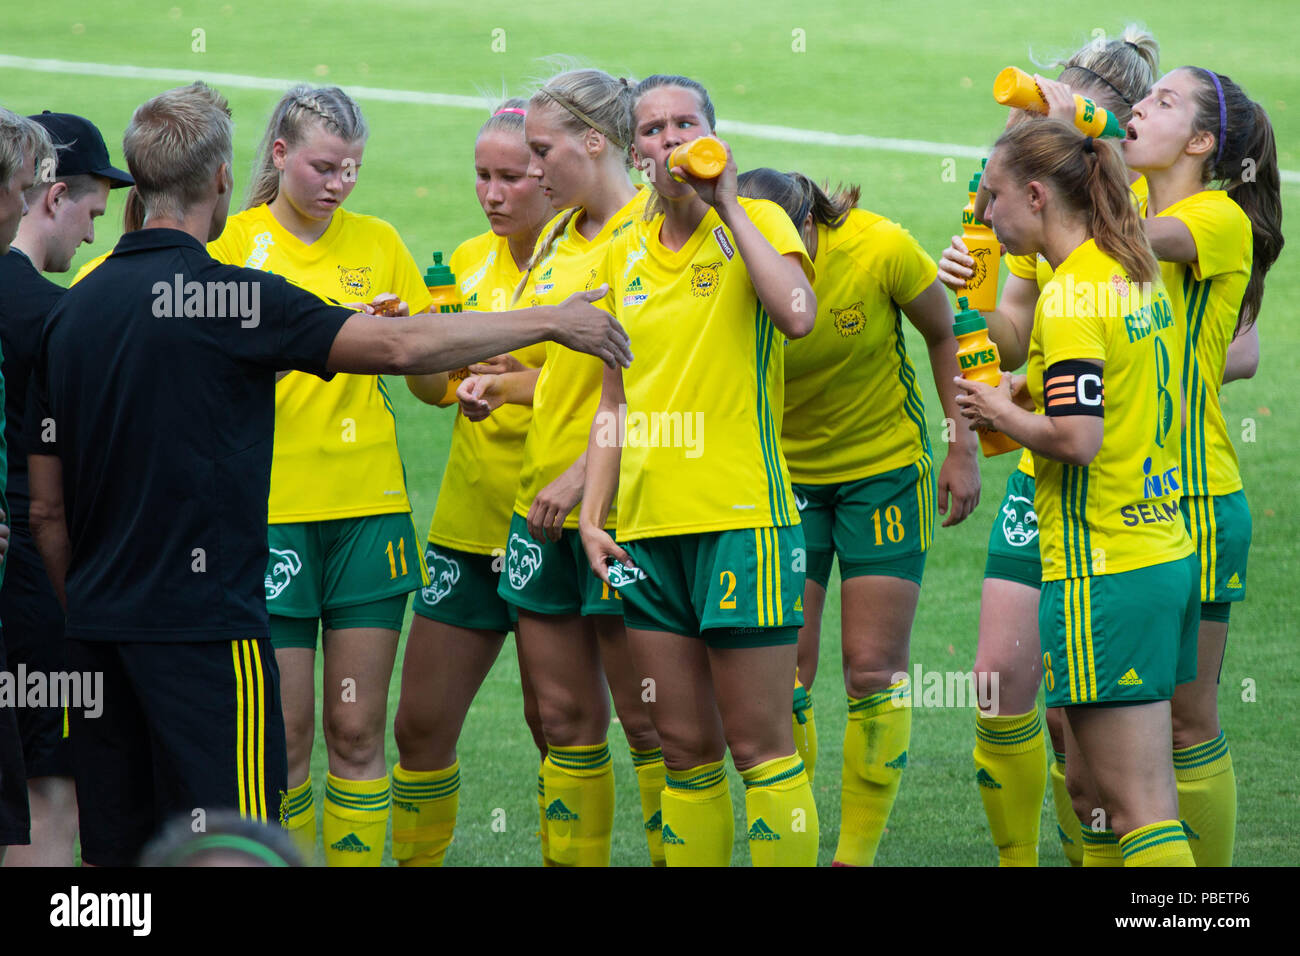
{"x": 1223, "y": 114}
{"x": 1089, "y": 146}
{"x": 510, "y": 109}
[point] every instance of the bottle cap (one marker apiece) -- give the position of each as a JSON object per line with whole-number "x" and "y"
{"x": 438, "y": 274}
{"x": 983, "y": 163}
{"x": 974, "y": 183}
{"x": 967, "y": 319}
{"x": 1112, "y": 127}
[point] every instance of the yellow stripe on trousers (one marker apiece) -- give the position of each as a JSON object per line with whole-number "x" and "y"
{"x": 250, "y": 729}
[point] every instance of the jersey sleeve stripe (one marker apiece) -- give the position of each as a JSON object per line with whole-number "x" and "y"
{"x": 763, "y": 335}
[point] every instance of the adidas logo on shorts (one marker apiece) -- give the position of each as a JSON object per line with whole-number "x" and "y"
{"x": 1234, "y": 582}
{"x": 1130, "y": 679}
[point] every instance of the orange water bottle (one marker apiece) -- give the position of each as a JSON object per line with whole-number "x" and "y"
{"x": 446, "y": 298}
{"x": 1014, "y": 87}
{"x": 442, "y": 286}
{"x": 703, "y": 158}
{"x": 983, "y": 246}
{"x": 977, "y": 357}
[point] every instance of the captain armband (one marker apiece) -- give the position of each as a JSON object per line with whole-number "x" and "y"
{"x": 1074, "y": 387}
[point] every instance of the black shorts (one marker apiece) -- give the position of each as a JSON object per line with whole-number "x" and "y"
{"x": 15, "y": 818}
{"x": 33, "y": 627}
{"x": 184, "y": 728}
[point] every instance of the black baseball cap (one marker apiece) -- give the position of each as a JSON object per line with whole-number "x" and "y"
{"x": 81, "y": 148}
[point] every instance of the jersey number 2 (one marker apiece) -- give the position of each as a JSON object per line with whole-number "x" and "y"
{"x": 729, "y": 579}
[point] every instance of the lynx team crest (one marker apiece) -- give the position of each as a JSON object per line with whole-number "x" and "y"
{"x": 849, "y": 321}
{"x": 1019, "y": 521}
{"x": 704, "y": 279}
{"x": 284, "y": 565}
{"x": 444, "y": 572}
{"x": 523, "y": 562}
{"x": 355, "y": 281}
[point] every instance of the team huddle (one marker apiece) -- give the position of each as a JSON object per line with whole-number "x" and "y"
{"x": 677, "y": 406}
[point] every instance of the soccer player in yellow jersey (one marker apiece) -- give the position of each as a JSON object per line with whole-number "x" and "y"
{"x": 855, "y": 438}
{"x": 570, "y": 633}
{"x": 460, "y": 621}
{"x": 1118, "y": 608}
{"x": 1195, "y": 130}
{"x": 709, "y": 286}
{"x": 344, "y": 552}
{"x": 1009, "y": 769}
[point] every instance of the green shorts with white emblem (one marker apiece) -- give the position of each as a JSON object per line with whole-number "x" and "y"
{"x": 1013, "y": 540}
{"x": 1123, "y": 638}
{"x": 348, "y": 572}
{"x": 552, "y": 577}
{"x": 738, "y": 588}
{"x": 878, "y": 525}
{"x": 462, "y": 590}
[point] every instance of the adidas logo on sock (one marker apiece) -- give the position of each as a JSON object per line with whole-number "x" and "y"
{"x": 1188, "y": 831}
{"x": 1130, "y": 679}
{"x": 1062, "y": 834}
{"x": 671, "y": 838}
{"x": 408, "y": 807}
{"x": 558, "y": 811}
{"x": 350, "y": 844}
{"x": 655, "y": 822}
{"x": 899, "y": 762}
{"x": 985, "y": 779}
{"x": 1234, "y": 582}
{"x": 761, "y": 831}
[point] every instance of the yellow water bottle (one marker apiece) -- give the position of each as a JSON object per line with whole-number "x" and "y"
{"x": 978, "y": 360}
{"x": 703, "y": 158}
{"x": 1014, "y": 87}
{"x": 440, "y": 282}
{"x": 984, "y": 248}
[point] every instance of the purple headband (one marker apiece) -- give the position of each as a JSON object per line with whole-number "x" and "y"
{"x": 1223, "y": 114}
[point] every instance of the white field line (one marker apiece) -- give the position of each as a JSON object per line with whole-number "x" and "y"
{"x": 764, "y": 131}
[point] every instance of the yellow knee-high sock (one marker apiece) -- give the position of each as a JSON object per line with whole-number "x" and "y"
{"x": 1207, "y": 800}
{"x": 650, "y": 776}
{"x": 1067, "y": 824}
{"x": 541, "y": 812}
{"x": 1100, "y": 848}
{"x": 299, "y": 819}
{"x": 1012, "y": 778}
{"x": 1162, "y": 843}
{"x": 424, "y": 814}
{"x": 356, "y": 821}
{"x": 875, "y": 753}
{"x": 782, "y": 815}
{"x": 805, "y": 728}
{"x": 699, "y": 826}
{"x": 579, "y": 804}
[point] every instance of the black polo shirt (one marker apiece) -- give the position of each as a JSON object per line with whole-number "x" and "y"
{"x": 155, "y": 387}
{"x": 26, "y": 298}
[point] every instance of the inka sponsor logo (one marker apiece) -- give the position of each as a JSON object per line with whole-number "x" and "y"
{"x": 957, "y": 689}
{"x": 633, "y": 257}
{"x": 544, "y": 283}
{"x": 639, "y": 429}
{"x": 262, "y": 243}
{"x": 209, "y": 300}
{"x": 633, "y": 295}
{"x": 76, "y": 690}
{"x": 724, "y": 243}
{"x": 76, "y": 909}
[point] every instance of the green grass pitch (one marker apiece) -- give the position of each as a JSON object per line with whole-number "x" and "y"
{"x": 912, "y": 71}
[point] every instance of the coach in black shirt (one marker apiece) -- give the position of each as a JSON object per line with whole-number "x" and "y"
{"x": 60, "y": 216}
{"x": 151, "y": 425}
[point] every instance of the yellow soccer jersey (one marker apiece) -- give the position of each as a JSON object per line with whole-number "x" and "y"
{"x": 1040, "y": 270}
{"x": 478, "y": 486}
{"x": 568, "y": 389}
{"x": 1120, "y": 512}
{"x": 335, "y": 442}
{"x": 1208, "y": 294}
{"x": 701, "y": 443}
{"x": 89, "y": 267}
{"x": 852, "y": 404}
